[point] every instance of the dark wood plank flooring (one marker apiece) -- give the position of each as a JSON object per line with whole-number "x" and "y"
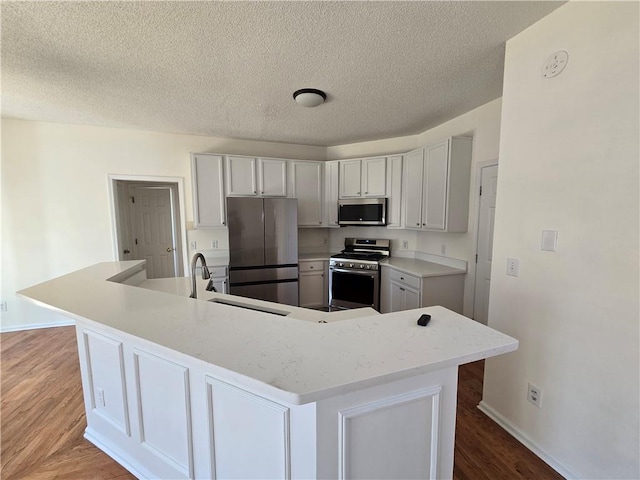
{"x": 43, "y": 419}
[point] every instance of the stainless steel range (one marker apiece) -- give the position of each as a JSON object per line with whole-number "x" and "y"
{"x": 354, "y": 274}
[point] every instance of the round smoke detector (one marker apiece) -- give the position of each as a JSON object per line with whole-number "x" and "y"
{"x": 555, "y": 64}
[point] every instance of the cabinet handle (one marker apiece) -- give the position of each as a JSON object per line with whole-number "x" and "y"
{"x": 417, "y": 224}
{"x": 402, "y": 289}
{"x": 366, "y": 193}
{"x": 424, "y": 224}
{"x": 401, "y": 278}
{"x": 311, "y": 267}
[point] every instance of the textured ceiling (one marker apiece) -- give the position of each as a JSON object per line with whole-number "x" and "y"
{"x": 228, "y": 69}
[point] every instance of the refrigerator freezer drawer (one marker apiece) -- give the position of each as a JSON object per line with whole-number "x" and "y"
{"x": 254, "y": 275}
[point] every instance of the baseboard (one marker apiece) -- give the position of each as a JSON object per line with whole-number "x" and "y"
{"x": 136, "y": 470}
{"x": 19, "y": 328}
{"x": 525, "y": 440}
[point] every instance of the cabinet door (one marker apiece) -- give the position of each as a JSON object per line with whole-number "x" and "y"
{"x": 220, "y": 284}
{"x": 311, "y": 289}
{"x": 307, "y": 188}
{"x": 350, "y": 178}
{"x": 241, "y": 175}
{"x": 374, "y": 177}
{"x": 331, "y": 193}
{"x": 394, "y": 192}
{"x": 208, "y": 190}
{"x": 413, "y": 166}
{"x": 396, "y": 299}
{"x": 273, "y": 177}
{"x": 411, "y": 298}
{"x": 436, "y": 176}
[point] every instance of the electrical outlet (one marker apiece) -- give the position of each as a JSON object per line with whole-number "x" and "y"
{"x": 100, "y": 397}
{"x": 513, "y": 267}
{"x": 193, "y": 245}
{"x": 534, "y": 395}
{"x": 405, "y": 244}
{"x": 325, "y": 240}
{"x": 3, "y": 306}
{"x": 214, "y": 244}
{"x": 443, "y": 249}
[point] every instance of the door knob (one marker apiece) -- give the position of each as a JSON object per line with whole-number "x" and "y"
{"x": 169, "y": 249}
{"x": 125, "y": 251}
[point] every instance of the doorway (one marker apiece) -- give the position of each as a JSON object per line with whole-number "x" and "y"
{"x": 147, "y": 218}
{"x": 484, "y": 247}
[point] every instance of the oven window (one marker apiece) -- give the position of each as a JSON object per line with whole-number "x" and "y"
{"x": 350, "y": 287}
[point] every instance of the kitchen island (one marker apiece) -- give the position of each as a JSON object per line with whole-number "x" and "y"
{"x": 176, "y": 387}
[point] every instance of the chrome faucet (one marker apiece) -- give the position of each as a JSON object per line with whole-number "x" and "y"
{"x": 205, "y": 273}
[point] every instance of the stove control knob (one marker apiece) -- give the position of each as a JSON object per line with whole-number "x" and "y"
{"x": 362, "y": 266}
{"x": 368, "y": 267}
{"x": 351, "y": 265}
{"x": 341, "y": 264}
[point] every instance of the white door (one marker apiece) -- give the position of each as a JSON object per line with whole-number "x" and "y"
{"x": 486, "y": 218}
{"x": 153, "y": 230}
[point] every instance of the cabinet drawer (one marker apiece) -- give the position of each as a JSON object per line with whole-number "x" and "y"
{"x": 314, "y": 266}
{"x": 407, "y": 279}
{"x": 218, "y": 271}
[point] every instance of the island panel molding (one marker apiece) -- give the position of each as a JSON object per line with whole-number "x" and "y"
{"x": 102, "y": 353}
{"x": 248, "y": 433}
{"x": 164, "y": 410}
{"x": 408, "y": 423}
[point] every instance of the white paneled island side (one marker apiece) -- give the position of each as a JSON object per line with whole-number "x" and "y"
{"x": 176, "y": 387}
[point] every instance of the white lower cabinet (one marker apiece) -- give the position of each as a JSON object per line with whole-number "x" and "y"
{"x": 220, "y": 279}
{"x": 312, "y": 283}
{"x": 403, "y": 291}
{"x": 162, "y": 414}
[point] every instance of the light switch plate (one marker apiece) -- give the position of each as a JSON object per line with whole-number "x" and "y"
{"x": 549, "y": 240}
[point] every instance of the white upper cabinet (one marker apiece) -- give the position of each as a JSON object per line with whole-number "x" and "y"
{"x": 437, "y": 186}
{"x": 394, "y": 192}
{"x": 331, "y": 193}
{"x": 350, "y": 178}
{"x": 208, "y": 190}
{"x": 363, "y": 178}
{"x": 413, "y": 164}
{"x": 307, "y": 187}
{"x": 241, "y": 175}
{"x": 249, "y": 176}
{"x": 374, "y": 177}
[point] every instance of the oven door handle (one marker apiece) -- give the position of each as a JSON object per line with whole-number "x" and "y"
{"x": 368, "y": 273}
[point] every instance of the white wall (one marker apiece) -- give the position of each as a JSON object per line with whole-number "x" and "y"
{"x": 55, "y": 201}
{"x": 483, "y": 124}
{"x": 569, "y": 160}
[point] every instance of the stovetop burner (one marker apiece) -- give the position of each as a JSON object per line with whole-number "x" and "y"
{"x": 371, "y": 256}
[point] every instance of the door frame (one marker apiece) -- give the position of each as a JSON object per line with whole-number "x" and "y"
{"x": 180, "y": 224}
{"x": 478, "y": 175}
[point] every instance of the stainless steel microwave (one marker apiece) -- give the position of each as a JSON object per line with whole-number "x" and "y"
{"x": 362, "y": 211}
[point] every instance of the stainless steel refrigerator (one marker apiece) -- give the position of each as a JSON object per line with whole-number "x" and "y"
{"x": 263, "y": 248}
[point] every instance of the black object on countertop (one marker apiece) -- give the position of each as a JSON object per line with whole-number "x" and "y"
{"x": 424, "y": 320}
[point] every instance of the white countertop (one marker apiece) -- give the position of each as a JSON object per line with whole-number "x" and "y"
{"x": 420, "y": 268}
{"x": 296, "y": 360}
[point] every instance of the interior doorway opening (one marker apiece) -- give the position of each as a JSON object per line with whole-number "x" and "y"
{"x": 148, "y": 223}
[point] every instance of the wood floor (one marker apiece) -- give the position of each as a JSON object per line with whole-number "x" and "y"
{"x": 43, "y": 419}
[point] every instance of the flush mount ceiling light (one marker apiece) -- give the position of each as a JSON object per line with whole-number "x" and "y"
{"x": 309, "y": 97}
